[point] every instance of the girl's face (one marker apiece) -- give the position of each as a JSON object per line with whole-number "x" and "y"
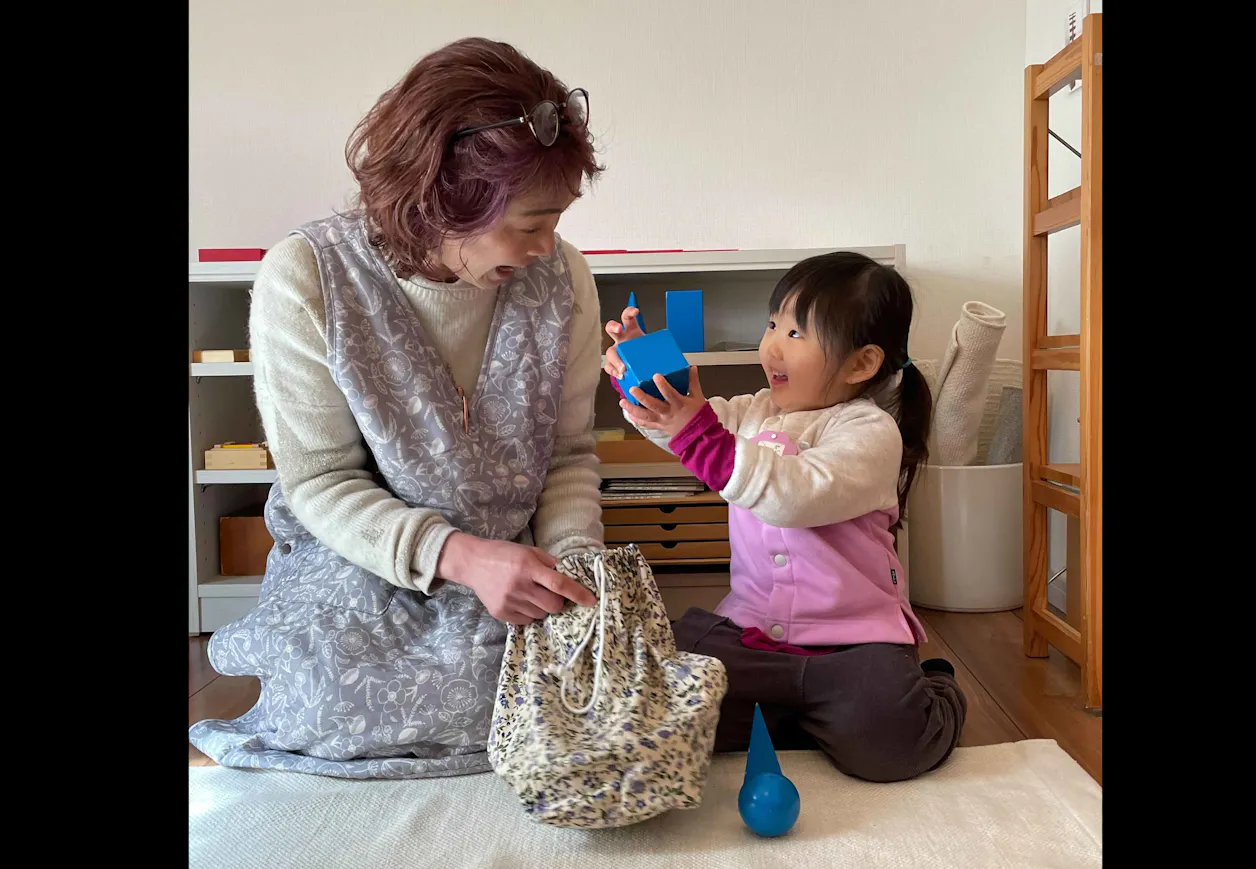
{"x": 800, "y": 376}
{"x": 523, "y": 234}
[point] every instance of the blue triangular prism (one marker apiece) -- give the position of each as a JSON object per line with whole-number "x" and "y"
{"x": 632, "y": 303}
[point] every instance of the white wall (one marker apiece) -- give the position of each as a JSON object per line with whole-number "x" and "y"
{"x": 1045, "y": 28}
{"x": 794, "y": 123}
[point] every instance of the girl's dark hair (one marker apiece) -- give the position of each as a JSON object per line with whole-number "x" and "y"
{"x": 853, "y": 301}
{"x": 416, "y": 185}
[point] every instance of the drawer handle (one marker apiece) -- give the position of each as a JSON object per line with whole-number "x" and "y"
{"x": 669, "y": 526}
{"x": 671, "y": 508}
{"x": 671, "y": 544}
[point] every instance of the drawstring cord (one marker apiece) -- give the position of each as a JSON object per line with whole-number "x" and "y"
{"x": 562, "y": 671}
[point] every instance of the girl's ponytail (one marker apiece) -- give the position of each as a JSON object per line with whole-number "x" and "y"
{"x": 914, "y": 410}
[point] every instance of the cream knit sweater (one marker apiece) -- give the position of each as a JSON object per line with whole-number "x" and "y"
{"x": 318, "y": 448}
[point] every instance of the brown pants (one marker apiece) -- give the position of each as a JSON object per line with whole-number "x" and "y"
{"x": 869, "y": 707}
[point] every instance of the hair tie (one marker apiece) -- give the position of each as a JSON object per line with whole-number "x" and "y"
{"x": 905, "y": 364}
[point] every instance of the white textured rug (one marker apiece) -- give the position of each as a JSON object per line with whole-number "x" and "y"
{"x": 1018, "y": 804}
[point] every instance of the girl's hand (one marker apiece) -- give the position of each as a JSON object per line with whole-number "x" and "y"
{"x": 672, "y": 414}
{"x": 624, "y": 331}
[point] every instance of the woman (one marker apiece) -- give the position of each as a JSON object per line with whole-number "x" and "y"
{"x": 425, "y": 370}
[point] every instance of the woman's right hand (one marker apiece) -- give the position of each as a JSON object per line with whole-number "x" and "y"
{"x": 625, "y": 329}
{"x": 516, "y": 583}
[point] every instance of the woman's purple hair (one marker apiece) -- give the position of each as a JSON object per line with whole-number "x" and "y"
{"x": 416, "y": 186}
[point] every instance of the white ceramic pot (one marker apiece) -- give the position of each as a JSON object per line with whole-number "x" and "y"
{"x": 965, "y": 542}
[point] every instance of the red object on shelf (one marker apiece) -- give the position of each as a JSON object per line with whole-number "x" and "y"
{"x": 230, "y": 254}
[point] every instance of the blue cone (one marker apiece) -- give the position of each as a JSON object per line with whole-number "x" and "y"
{"x": 768, "y": 802}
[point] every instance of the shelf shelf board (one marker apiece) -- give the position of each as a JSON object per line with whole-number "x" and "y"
{"x": 211, "y": 477}
{"x": 730, "y": 357}
{"x": 771, "y": 259}
{"x": 610, "y": 471}
{"x": 721, "y": 261}
{"x": 664, "y": 500}
{"x": 1063, "y": 473}
{"x": 245, "y": 369}
{"x": 222, "y": 369}
{"x": 231, "y": 586}
{"x": 635, "y": 470}
{"x": 241, "y": 273}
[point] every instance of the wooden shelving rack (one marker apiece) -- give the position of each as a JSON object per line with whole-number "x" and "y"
{"x": 1074, "y": 489}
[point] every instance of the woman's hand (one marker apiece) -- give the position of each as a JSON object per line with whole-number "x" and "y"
{"x": 516, "y": 583}
{"x": 626, "y": 330}
{"x": 670, "y": 415}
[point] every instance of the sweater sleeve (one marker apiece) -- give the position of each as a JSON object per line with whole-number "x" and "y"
{"x": 851, "y": 470}
{"x": 706, "y": 448}
{"x": 568, "y": 516}
{"x": 317, "y": 446}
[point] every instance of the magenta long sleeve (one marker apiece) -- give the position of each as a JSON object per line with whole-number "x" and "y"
{"x": 706, "y": 448}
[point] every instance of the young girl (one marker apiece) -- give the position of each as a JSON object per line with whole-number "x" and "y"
{"x": 816, "y": 470}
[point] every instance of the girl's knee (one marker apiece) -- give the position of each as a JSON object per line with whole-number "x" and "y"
{"x": 889, "y": 742}
{"x": 881, "y": 758}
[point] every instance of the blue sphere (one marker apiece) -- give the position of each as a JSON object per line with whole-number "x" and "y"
{"x": 769, "y": 804}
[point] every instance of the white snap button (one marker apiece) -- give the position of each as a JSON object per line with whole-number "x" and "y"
{"x": 777, "y": 632}
{"x": 773, "y": 435}
{"x": 780, "y": 560}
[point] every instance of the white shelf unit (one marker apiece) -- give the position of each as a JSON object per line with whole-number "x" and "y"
{"x": 220, "y": 408}
{"x": 736, "y": 287}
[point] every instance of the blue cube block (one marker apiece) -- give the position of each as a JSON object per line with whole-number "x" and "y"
{"x": 684, "y": 320}
{"x": 651, "y": 354}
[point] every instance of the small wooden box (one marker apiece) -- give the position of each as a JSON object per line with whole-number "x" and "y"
{"x": 220, "y": 356}
{"x": 243, "y": 544}
{"x": 238, "y": 457}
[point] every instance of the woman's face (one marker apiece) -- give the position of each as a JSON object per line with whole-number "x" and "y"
{"x": 524, "y": 233}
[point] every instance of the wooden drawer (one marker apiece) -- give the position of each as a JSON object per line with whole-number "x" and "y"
{"x": 686, "y": 551}
{"x": 665, "y": 533}
{"x": 664, "y": 515}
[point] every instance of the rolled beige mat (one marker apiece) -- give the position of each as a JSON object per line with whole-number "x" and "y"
{"x": 1005, "y": 444}
{"x": 962, "y": 381}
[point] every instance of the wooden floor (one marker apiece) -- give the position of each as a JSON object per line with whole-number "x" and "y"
{"x": 1010, "y": 697}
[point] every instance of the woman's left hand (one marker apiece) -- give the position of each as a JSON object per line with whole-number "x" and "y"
{"x": 670, "y": 415}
